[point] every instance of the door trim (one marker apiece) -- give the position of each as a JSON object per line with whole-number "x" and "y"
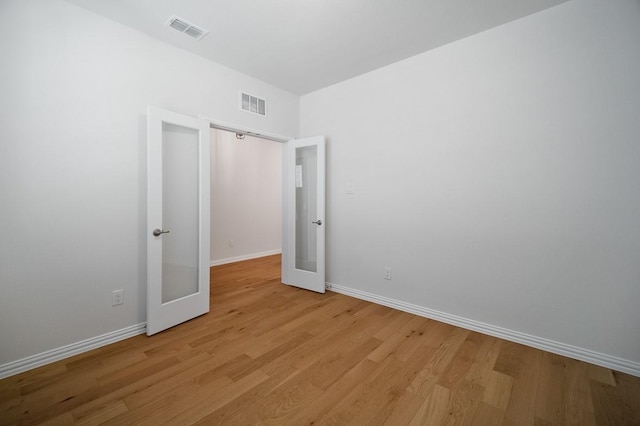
{"x": 231, "y": 127}
{"x": 219, "y": 124}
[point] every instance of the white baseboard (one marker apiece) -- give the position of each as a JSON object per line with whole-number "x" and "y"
{"x": 38, "y": 360}
{"x": 244, "y": 257}
{"x": 582, "y": 354}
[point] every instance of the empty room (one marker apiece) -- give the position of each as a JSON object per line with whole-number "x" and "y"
{"x": 361, "y": 212}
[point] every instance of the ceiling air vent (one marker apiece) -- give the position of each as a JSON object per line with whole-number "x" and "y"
{"x": 186, "y": 27}
{"x": 253, "y": 104}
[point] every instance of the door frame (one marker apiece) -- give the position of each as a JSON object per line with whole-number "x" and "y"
{"x": 230, "y": 127}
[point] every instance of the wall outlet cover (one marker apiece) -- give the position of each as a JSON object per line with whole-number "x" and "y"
{"x": 387, "y": 273}
{"x": 117, "y": 297}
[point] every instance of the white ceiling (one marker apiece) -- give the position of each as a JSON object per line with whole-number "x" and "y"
{"x": 305, "y": 45}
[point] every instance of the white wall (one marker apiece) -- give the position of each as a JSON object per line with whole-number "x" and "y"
{"x": 246, "y": 196}
{"x": 499, "y": 176}
{"x": 75, "y": 87}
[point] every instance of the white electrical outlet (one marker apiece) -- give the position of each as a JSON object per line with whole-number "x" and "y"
{"x": 230, "y": 243}
{"x": 117, "y": 297}
{"x": 387, "y": 273}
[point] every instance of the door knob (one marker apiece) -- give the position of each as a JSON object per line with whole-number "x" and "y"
{"x": 157, "y": 232}
{"x": 318, "y": 222}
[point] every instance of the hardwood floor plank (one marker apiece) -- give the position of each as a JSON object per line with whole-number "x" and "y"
{"x": 404, "y": 409}
{"x": 462, "y": 362}
{"x": 433, "y": 369}
{"x": 629, "y": 390}
{"x": 329, "y": 369}
{"x": 373, "y": 401}
{"x": 245, "y": 409}
{"x": 497, "y": 390}
{"x": 332, "y": 396}
{"x": 172, "y": 402}
{"x": 141, "y": 392}
{"x": 395, "y": 321}
{"x": 433, "y": 410}
{"x": 272, "y": 354}
{"x": 552, "y": 386}
{"x": 484, "y": 360}
{"x": 601, "y": 374}
{"x": 240, "y": 371}
{"x": 523, "y": 364}
{"x": 579, "y": 406}
{"x": 61, "y": 420}
{"x": 104, "y": 414}
{"x": 196, "y": 406}
{"x": 610, "y": 407}
{"x": 465, "y": 398}
{"x": 393, "y": 342}
{"x": 487, "y": 414}
{"x": 340, "y": 337}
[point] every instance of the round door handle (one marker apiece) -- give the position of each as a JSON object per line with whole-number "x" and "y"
{"x": 317, "y": 222}
{"x": 157, "y": 232}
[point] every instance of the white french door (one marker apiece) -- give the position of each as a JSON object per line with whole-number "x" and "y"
{"x": 304, "y": 184}
{"x": 178, "y": 206}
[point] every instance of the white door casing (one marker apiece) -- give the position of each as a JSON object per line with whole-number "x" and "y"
{"x": 178, "y": 201}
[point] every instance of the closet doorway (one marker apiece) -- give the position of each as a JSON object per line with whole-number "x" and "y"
{"x": 246, "y": 197}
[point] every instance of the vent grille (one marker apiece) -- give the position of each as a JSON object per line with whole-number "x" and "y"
{"x": 253, "y": 104}
{"x": 186, "y": 27}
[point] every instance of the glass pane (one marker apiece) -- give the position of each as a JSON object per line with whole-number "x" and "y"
{"x": 306, "y": 208}
{"x": 179, "y": 212}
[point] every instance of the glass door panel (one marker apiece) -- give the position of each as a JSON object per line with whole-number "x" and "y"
{"x": 180, "y": 191}
{"x": 306, "y": 208}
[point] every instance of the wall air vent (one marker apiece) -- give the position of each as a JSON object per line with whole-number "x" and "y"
{"x": 253, "y": 104}
{"x": 186, "y": 27}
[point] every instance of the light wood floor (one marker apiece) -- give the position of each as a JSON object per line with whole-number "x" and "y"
{"x": 271, "y": 354}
